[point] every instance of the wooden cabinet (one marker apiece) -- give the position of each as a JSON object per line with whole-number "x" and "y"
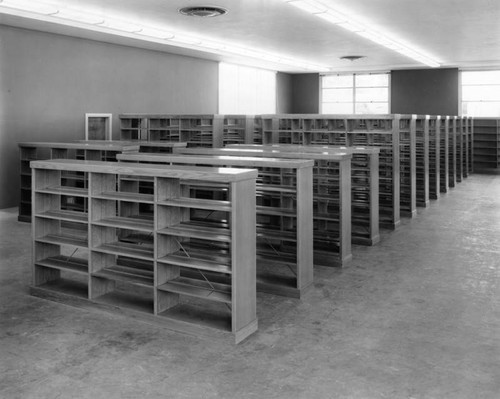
{"x": 486, "y": 143}
{"x": 284, "y": 215}
{"x": 111, "y": 255}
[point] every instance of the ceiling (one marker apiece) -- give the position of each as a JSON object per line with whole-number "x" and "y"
{"x": 457, "y": 33}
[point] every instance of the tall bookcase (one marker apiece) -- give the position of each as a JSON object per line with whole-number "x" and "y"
{"x": 434, "y": 156}
{"x": 422, "y": 150}
{"x": 102, "y": 265}
{"x": 452, "y": 151}
{"x": 444, "y": 151}
{"x": 486, "y": 143}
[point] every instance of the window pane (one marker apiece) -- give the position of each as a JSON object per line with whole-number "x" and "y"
{"x": 329, "y": 81}
{"x": 337, "y": 95}
{"x": 488, "y": 109}
{"x": 372, "y": 94}
{"x": 478, "y": 93}
{"x": 372, "y": 108}
{"x": 373, "y": 80}
{"x": 481, "y": 77}
{"x": 337, "y": 108}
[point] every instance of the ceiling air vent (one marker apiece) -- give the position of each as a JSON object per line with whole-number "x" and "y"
{"x": 203, "y": 11}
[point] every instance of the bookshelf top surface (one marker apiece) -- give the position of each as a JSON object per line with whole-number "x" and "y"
{"x": 84, "y": 145}
{"x": 337, "y": 156}
{"x": 171, "y": 171}
{"x": 308, "y": 148}
{"x": 219, "y": 160}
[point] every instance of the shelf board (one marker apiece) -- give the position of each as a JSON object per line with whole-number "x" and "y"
{"x": 127, "y": 274}
{"x": 68, "y": 216}
{"x": 129, "y": 223}
{"x": 194, "y": 230}
{"x": 126, "y": 249}
{"x": 275, "y": 211}
{"x": 126, "y": 196}
{"x": 64, "y": 190}
{"x": 186, "y": 202}
{"x": 276, "y": 234}
{"x": 185, "y": 286}
{"x": 195, "y": 263}
{"x": 62, "y": 240}
{"x": 67, "y": 263}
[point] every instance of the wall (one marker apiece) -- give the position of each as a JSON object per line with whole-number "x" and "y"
{"x": 283, "y": 93}
{"x": 425, "y": 91}
{"x": 305, "y": 93}
{"x": 48, "y": 82}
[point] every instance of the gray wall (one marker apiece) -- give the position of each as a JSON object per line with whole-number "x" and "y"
{"x": 48, "y": 82}
{"x": 284, "y": 89}
{"x": 305, "y": 93}
{"x": 425, "y": 91}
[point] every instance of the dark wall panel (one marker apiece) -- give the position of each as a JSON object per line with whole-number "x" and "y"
{"x": 48, "y": 82}
{"x": 305, "y": 93}
{"x": 425, "y": 91}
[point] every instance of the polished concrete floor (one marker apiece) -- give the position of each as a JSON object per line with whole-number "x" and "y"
{"x": 417, "y": 316}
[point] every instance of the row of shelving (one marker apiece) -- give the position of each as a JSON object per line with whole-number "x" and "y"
{"x": 196, "y": 130}
{"x": 86, "y": 150}
{"x": 167, "y": 233}
{"x": 420, "y": 155}
{"x": 486, "y": 143}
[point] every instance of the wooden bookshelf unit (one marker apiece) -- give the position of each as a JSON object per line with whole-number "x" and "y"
{"x": 114, "y": 257}
{"x": 284, "y": 215}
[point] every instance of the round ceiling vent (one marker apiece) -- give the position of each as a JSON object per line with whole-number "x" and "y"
{"x": 203, "y": 11}
{"x": 352, "y": 57}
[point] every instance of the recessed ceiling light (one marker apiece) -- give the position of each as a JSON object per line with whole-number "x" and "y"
{"x": 203, "y": 11}
{"x": 352, "y": 57}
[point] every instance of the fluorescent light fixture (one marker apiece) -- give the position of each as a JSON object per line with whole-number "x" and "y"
{"x": 310, "y": 6}
{"x": 352, "y": 26}
{"x": 342, "y": 20}
{"x": 30, "y": 6}
{"x": 332, "y": 17}
{"x": 155, "y": 33}
{"x": 123, "y": 26}
{"x": 185, "y": 39}
{"x": 78, "y": 16}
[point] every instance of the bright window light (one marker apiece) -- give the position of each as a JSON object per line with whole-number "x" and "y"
{"x": 244, "y": 90}
{"x": 481, "y": 93}
{"x": 355, "y": 93}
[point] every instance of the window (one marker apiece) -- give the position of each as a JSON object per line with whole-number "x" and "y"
{"x": 481, "y": 93}
{"x": 355, "y": 94}
{"x": 244, "y": 90}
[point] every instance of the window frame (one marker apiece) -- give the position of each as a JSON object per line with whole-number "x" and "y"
{"x": 354, "y": 87}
